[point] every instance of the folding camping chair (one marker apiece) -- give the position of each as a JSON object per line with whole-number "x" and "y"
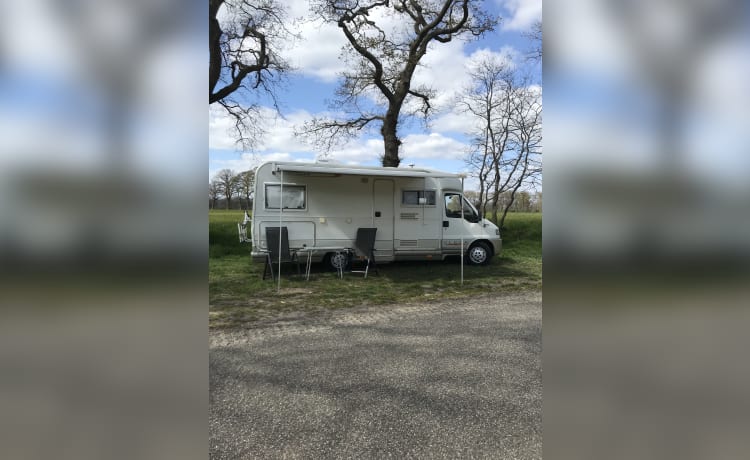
{"x": 272, "y": 256}
{"x": 364, "y": 250}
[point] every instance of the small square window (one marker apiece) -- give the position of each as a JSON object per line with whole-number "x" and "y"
{"x": 418, "y": 197}
{"x": 294, "y": 196}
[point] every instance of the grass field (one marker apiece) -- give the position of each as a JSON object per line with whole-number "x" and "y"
{"x": 238, "y": 296}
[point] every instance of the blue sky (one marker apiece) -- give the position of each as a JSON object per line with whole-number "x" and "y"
{"x": 441, "y": 145}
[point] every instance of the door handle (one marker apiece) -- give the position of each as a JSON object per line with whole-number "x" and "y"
{"x": 445, "y": 223}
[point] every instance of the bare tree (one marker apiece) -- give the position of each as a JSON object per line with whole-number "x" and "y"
{"x": 214, "y": 191}
{"x": 244, "y": 38}
{"x": 535, "y": 37}
{"x": 507, "y": 138}
{"x": 378, "y": 85}
{"x": 473, "y": 197}
{"x": 228, "y": 185}
{"x": 527, "y": 121}
{"x": 537, "y": 202}
{"x": 489, "y": 100}
{"x": 246, "y": 181}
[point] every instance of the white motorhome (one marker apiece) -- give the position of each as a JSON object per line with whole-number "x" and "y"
{"x": 417, "y": 212}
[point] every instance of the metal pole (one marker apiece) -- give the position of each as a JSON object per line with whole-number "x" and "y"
{"x": 462, "y": 233}
{"x": 281, "y": 211}
{"x": 424, "y": 193}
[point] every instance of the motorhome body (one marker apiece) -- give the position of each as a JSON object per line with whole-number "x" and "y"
{"x": 418, "y": 212}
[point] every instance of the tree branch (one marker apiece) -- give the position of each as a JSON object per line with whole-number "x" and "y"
{"x": 350, "y": 17}
{"x": 425, "y": 101}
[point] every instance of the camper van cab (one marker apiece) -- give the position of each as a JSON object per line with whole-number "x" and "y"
{"x": 420, "y": 214}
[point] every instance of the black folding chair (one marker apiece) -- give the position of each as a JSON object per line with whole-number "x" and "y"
{"x": 364, "y": 250}
{"x": 272, "y": 257}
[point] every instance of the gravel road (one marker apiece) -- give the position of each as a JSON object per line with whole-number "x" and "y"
{"x": 448, "y": 379}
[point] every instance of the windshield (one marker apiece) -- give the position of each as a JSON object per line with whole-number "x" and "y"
{"x": 469, "y": 208}
{"x": 453, "y": 207}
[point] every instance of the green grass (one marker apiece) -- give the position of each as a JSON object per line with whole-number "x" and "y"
{"x": 238, "y": 296}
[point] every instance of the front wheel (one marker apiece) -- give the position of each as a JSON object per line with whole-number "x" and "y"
{"x": 479, "y": 254}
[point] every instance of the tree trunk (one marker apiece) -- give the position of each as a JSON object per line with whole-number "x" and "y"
{"x": 391, "y": 141}
{"x": 495, "y": 197}
{"x": 214, "y": 43}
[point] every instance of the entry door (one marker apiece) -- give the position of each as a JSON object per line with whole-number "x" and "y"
{"x": 382, "y": 209}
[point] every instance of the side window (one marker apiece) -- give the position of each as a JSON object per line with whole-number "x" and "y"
{"x": 294, "y": 196}
{"x": 413, "y": 197}
{"x": 429, "y": 196}
{"x": 452, "y": 205}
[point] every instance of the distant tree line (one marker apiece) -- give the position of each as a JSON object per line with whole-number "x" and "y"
{"x": 231, "y": 190}
{"x": 521, "y": 201}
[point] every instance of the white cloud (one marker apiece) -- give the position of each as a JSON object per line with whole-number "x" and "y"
{"x": 279, "y": 132}
{"x": 359, "y": 152}
{"x": 279, "y": 142}
{"x": 415, "y": 147}
{"x": 523, "y": 13}
{"x": 445, "y": 69}
{"x": 507, "y": 55}
{"x": 453, "y": 121}
{"x": 220, "y": 129}
{"x": 247, "y": 161}
{"x": 317, "y": 54}
{"x": 434, "y": 146}
{"x": 431, "y": 146}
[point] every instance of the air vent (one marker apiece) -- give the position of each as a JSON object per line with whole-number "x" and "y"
{"x": 410, "y": 215}
{"x": 408, "y": 243}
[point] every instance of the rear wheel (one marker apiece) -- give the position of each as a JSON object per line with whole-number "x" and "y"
{"x": 334, "y": 260}
{"x": 479, "y": 253}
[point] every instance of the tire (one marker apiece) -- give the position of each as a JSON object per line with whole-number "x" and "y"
{"x": 479, "y": 254}
{"x": 332, "y": 261}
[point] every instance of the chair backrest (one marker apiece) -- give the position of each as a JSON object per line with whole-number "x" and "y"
{"x": 272, "y": 242}
{"x": 365, "y": 242}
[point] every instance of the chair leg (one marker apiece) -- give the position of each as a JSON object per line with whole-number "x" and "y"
{"x": 374, "y": 264}
{"x": 269, "y": 265}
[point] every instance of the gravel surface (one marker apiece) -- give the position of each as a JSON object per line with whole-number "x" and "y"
{"x": 454, "y": 378}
